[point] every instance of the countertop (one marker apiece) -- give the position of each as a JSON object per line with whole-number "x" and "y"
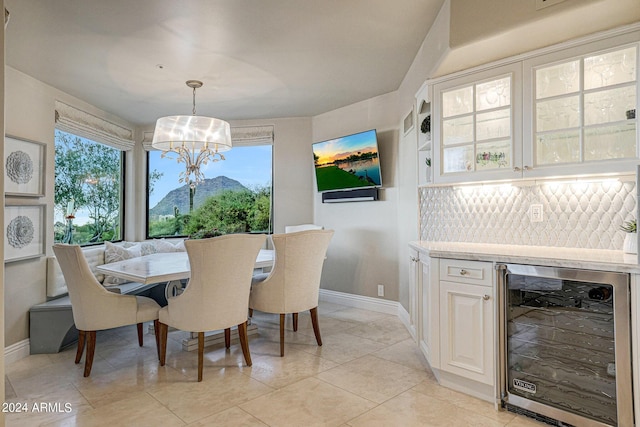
{"x": 589, "y": 259}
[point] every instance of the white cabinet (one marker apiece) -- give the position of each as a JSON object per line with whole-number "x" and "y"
{"x": 477, "y": 126}
{"x": 428, "y": 309}
{"x": 467, "y": 320}
{"x": 582, "y": 104}
{"x": 414, "y": 285}
{"x": 564, "y": 110}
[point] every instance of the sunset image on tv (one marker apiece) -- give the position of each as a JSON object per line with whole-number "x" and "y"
{"x": 347, "y": 162}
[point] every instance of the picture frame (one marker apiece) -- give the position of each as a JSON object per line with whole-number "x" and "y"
{"x": 24, "y": 232}
{"x": 24, "y": 170}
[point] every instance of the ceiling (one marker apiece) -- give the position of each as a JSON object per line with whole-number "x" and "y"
{"x": 257, "y": 58}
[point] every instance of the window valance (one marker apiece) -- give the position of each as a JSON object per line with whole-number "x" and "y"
{"x": 73, "y": 120}
{"x": 240, "y": 136}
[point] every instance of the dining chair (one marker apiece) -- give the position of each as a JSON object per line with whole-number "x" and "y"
{"x": 302, "y": 227}
{"x": 293, "y": 284}
{"x": 95, "y": 308}
{"x": 217, "y": 295}
{"x": 293, "y": 229}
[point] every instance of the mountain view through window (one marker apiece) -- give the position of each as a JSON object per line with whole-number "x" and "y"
{"x": 235, "y": 196}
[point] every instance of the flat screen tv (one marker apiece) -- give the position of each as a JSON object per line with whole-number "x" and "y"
{"x": 348, "y": 162}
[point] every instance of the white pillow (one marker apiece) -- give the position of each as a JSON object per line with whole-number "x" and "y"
{"x": 148, "y": 248}
{"x": 115, "y": 253}
{"x": 166, "y": 246}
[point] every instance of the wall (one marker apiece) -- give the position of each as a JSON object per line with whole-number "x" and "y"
{"x": 2, "y": 284}
{"x": 363, "y": 251}
{"x": 500, "y": 28}
{"x": 31, "y": 116}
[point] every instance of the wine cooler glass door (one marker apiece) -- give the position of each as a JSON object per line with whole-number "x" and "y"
{"x": 567, "y": 344}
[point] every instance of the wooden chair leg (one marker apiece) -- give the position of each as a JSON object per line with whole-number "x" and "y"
{"x": 156, "y": 332}
{"x": 140, "y": 336}
{"x": 244, "y": 342}
{"x": 200, "y": 354}
{"x": 91, "y": 349}
{"x": 81, "y": 335}
{"x": 163, "y": 330}
{"x": 227, "y": 337}
{"x": 295, "y": 321}
{"x": 282, "y": 317}
{"x": 251, "y": 312}
{"x": 316, "y": 326}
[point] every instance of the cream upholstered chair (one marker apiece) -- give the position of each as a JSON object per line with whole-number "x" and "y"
{"x": 294, "y": 229}
{"x": 217, "y": 295}
{"x": 94, "y": 308}
{"x": 302, "y": 227}
{"x": 293, "y": 284}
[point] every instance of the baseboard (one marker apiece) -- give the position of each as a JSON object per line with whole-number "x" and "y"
{"x": 16, "y": 351}
{"x": 358, "y": 301}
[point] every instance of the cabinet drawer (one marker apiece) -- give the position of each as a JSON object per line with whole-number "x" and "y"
{"x": 472, "y": 272}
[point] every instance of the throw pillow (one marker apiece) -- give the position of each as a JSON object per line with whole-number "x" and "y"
{"x": 115, "y": 253}
{"x": 166, "y": 246}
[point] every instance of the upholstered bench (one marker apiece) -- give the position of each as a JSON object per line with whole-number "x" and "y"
{"x": 51, "y": 326}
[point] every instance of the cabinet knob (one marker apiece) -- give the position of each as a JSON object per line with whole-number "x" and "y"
{"x": 527, "y": 168}
{"x": 463, "y": 272}
{"x": 517, "y": 169}
{"x": 486, "y": 297}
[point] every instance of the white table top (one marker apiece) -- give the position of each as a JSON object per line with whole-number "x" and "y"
{"x": 164, "y": 267}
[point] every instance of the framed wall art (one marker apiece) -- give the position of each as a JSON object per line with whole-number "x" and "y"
{"x": 23, "y": 232}
{"x": 24, "y": 163}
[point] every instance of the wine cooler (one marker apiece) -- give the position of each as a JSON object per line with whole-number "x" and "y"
{"x": 565, "y": 345}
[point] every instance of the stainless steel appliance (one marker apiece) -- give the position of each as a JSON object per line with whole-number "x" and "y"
{"x": 565, "y": 345}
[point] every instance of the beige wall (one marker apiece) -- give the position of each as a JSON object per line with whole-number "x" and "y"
{"x": 2, "y": 286}
{"x": 495, "y": 29}
{"x": 30, "y": 115}
{"x": 362, "y": 253}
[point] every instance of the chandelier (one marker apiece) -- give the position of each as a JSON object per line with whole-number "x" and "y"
{"x": 196, "y": 140}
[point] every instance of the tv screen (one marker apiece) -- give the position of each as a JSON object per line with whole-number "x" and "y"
{"x": 348, "y": 162}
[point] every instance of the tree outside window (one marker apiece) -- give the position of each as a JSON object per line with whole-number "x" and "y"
{"x": 235, "y": 196}
{"x": 88, "y": 190}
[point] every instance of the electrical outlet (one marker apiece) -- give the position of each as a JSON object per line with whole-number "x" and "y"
{"x": 536, "y": 213}
{"x": 380, "y": 290}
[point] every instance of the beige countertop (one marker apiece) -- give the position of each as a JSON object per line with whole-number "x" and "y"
{"x": 589, "y": 259}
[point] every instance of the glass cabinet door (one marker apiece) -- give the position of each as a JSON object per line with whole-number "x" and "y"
{"x": 477, "y": 126}
{"x": 585, "y": 108}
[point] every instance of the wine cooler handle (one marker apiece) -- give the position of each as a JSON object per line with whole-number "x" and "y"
{"x": 501, "y": 306}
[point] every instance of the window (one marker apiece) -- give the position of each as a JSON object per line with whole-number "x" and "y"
{"x": 88, "y": 198}
{"x": 234, "y": 198}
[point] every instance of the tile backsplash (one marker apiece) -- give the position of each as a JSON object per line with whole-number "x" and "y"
{"x": 578, "y": 214}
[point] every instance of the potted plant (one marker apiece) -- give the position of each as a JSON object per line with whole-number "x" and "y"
{"x": 631, "y": 236}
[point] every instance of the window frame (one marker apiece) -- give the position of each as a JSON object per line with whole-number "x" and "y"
{"x": 123, "y": 187}
{"x": 243, "y": 144}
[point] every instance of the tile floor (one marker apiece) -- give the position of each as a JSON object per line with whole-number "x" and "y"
{"x": 368, "y": 373}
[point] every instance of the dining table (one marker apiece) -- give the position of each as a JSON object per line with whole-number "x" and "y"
{"x": 171, "y": 269}
{"x": 165, "y": 267}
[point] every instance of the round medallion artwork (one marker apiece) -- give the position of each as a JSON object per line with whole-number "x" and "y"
{"x": 19, "y": 167}
{"x": 20, "y": 232}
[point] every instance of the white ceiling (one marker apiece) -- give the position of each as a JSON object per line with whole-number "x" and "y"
{"x": 257, "y": 58}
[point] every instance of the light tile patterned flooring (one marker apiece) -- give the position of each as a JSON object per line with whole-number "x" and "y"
{"x": 368, "y": 373}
